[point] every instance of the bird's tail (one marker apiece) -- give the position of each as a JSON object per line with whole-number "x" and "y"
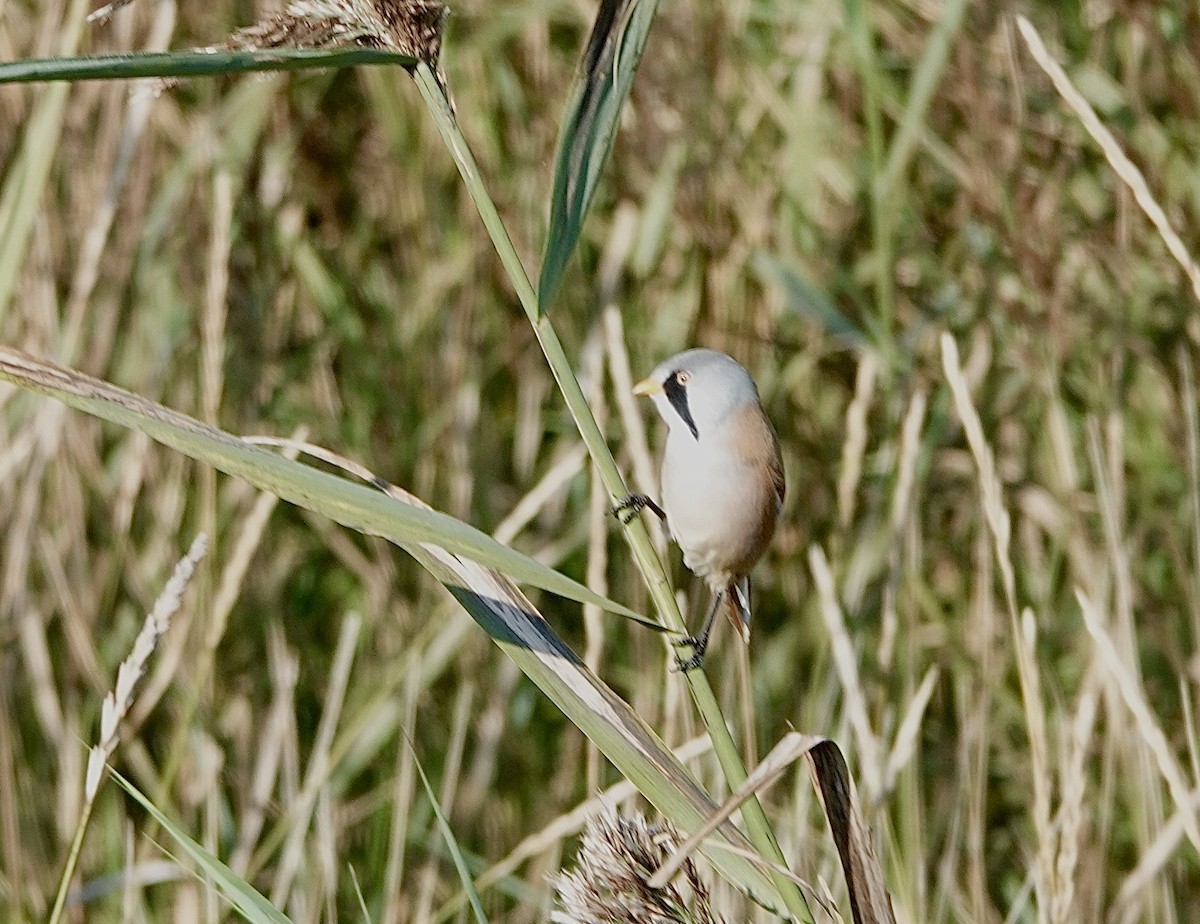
{"x": 737, "y": 606}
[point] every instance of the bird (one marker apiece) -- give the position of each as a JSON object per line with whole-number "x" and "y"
{"x": 722, "y": 479}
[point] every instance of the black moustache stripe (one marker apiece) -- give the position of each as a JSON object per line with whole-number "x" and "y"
{"x": 677, "y": 395}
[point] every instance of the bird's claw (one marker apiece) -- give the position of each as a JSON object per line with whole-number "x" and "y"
{"x": 632, "y": 505}
{"x": 696, "y": 659}
{"x": 626, "y": 509}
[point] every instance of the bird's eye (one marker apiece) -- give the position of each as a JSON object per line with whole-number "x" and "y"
{"x": 683, "y": 377}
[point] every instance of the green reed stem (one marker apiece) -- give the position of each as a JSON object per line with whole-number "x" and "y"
{"x": 648, "y": 562}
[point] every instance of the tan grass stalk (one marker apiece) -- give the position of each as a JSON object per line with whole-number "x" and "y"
{"x": 14, "y": 574}
{"x": 1189, "y": 726}
{"x": 1190, "y": 401}
{"x": 976, "y": 733}
{"x": 855, "y": 445}
{"x": 80, "y": 307}
{"x": 402, "y": 797}
{"x": 551, "y": 485}
{"x": 787, "y": 751}
{"x": 906, "y": 464}
{"x": 1120, "y": 162}
{"x": 318, "y": 762}
{"x": 636, "y": 442}
{"x": 35, "y": 651}
{"x": 212, "y": 386}
{"x": 1073, "y": 787}
{"x": 1023, "y": 623}
{"x": 216, "y": 291}
{"x": 906, "y": 476}
{"x": 80, "y": 634}
{"x": 1144, "y": 721}
{"x": 905, "y": 745}
{"x": 118, "y": 701}
{"x": 327, "y": 841}
{"x": 12, "y": 847}
{"x": 285, "y": 671}
{"x": 491, "y": 727}
{"x": 1153, "y": 860}
{"x": 846, "y": 661}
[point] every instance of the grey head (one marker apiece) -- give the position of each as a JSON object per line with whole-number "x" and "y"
{"x": 697, "y": 390}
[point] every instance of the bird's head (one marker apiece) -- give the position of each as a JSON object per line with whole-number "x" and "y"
{"x": 697, "y": 390}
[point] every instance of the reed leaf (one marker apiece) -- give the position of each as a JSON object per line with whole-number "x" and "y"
{"x": 249, "y": 902}
{"x": 350, "y": 504}
{"x": 602, "y": 85}
{"x": 180, "y": 64}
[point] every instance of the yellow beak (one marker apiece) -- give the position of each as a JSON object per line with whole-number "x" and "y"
{"x": 647, "y": 387}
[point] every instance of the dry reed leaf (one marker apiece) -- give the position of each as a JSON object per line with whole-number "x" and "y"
{"x": 870, "y": 902}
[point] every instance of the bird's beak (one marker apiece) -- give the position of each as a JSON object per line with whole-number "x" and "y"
{"x": 647, "y": 387}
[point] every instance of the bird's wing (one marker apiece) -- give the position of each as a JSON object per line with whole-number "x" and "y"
{"x": 755, "y": 442}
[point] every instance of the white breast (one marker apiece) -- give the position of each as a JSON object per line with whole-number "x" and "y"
{"x": 713, "y": 508}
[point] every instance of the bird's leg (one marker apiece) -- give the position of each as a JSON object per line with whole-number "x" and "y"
{"x": 699, "y": 643}
{"x": 628, "y": 508}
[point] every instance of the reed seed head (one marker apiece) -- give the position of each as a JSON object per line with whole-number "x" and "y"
{"x": 617, "y": 858}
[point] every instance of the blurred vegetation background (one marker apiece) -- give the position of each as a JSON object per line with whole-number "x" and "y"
{"x": 820, "y": 189}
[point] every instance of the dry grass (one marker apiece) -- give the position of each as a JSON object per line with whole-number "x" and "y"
{"x": 1000, "y": 620}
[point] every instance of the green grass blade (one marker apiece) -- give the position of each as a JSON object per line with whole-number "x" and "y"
{"x": 460, "y": 862}
{"x": 866, "y": 59}
{"x": 606, "y": 74}
{"x": 249, "y": 902}
{"x": 192, "y": 64}
{"x": 808, "y": 300}
{"x": 351, "y": 504}
{"x": 924, "y": 83}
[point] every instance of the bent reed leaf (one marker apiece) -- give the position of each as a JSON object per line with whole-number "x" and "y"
{"x": 350, "y": 504}
{"x": 870, "y": 902}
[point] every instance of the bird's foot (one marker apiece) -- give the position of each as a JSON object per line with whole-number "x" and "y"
{"x": 629, "y": 508}
{"x": 696, "y": 659}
